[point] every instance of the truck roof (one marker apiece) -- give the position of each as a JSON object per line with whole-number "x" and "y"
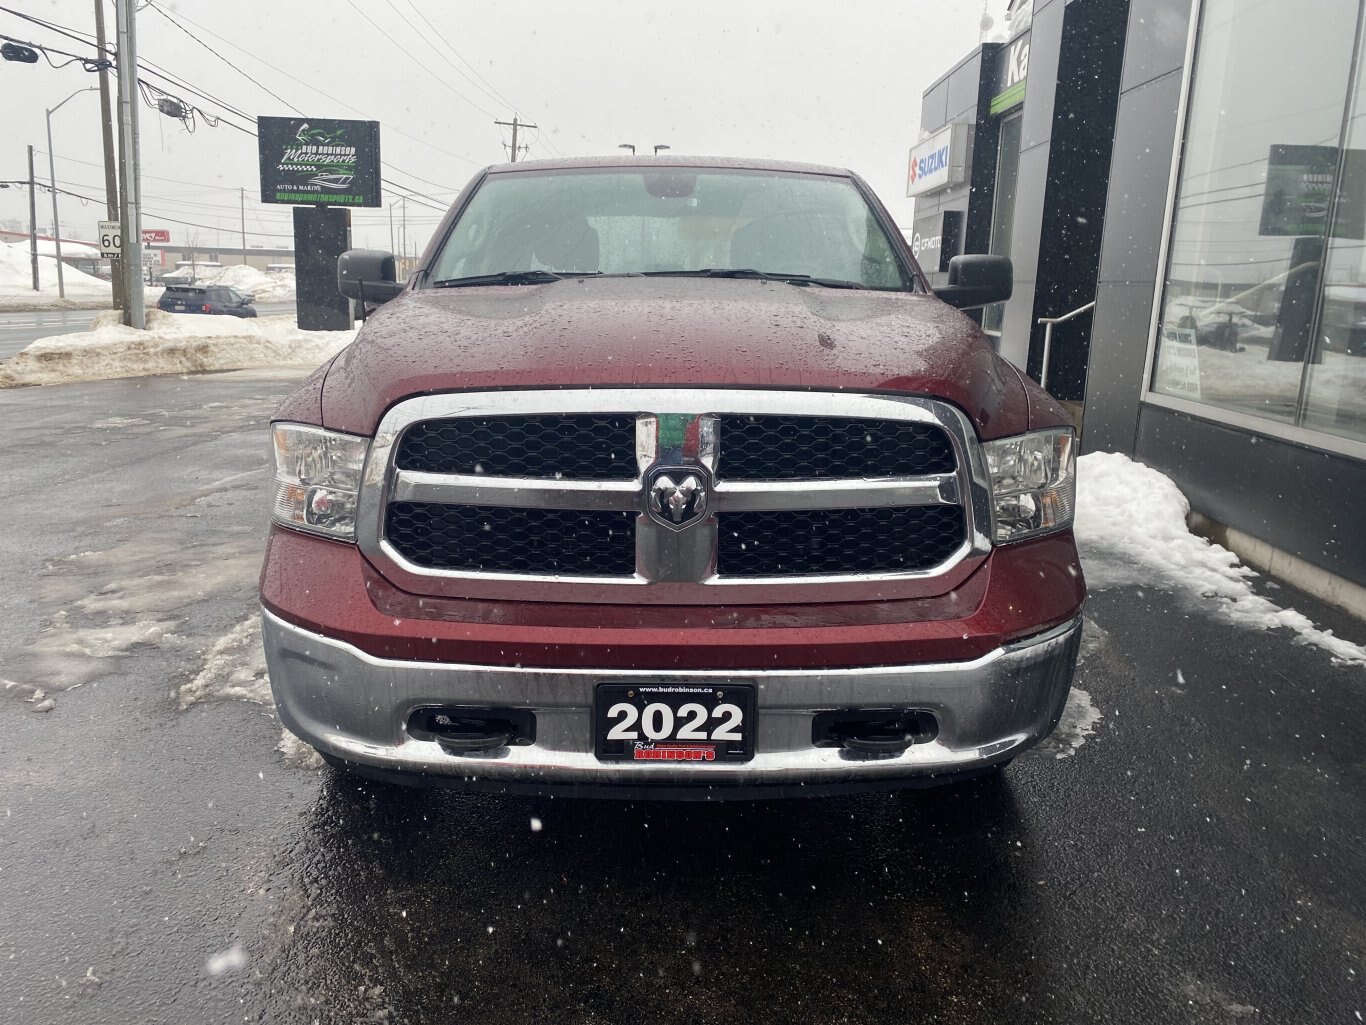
{"x": 742, "y": 163}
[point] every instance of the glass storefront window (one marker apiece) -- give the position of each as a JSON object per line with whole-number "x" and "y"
{"x": 1335, "y": 386}
{"x": 1262, "y": 296}
{"x": 1003, "y": 208}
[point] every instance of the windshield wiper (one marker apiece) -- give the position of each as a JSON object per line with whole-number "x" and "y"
{"x": 717, "y": 272}
{"x": 748, "y": 272}
{"x": 507, "y": 277}
{"x": 804, "y": 279}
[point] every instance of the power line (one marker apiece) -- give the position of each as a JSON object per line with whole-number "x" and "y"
{"x": 333, "y": 99}
{"x": 159, "y": 216}
{"x": 454, "y": 91}
{"x": 176, "y": 181}
{"x": 234, "y": 207}
{"x": 496, "y": 94}
{"x": 156, "y": 70}
{"x": 413, "y": 194}
{"x": 162, "y": 11}
{"x": 87, "y": 63}
{"x": 48, "y": 25}
{"x": 454, "y": 67}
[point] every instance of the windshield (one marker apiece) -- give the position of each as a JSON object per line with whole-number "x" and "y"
{"x": 671, "y": 220}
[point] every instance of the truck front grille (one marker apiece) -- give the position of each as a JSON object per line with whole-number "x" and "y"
{"x": 830, "y": 542}
{"x": 826, "y": 447}
{"x": 571, "y": 447}
{"x": 813, "y": 496}
{"x": 494, "y": 539}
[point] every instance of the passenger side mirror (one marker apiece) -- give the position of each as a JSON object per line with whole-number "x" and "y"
{"x": 977, "y": 280}
{"x": 367, "y": 275}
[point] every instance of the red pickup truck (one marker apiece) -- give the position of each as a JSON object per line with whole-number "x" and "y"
{"x": 675, "y": 478}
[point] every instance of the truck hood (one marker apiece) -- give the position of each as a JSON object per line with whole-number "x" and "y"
{"x": 670, "y": 332}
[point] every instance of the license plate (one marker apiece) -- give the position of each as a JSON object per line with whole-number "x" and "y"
{"x": 674, "y": 722}
{"x": 179, "y": 307}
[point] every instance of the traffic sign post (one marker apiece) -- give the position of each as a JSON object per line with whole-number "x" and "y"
{"x": 111, "y": 241}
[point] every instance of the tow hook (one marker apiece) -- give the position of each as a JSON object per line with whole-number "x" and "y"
{"x": 874, "y": 731}
{"x": 463, "y": 730}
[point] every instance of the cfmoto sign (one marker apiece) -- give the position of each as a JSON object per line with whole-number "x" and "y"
{"x": 939, "y": 161}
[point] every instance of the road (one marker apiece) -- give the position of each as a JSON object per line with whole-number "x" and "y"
{"x": 1199, "y": 858}
{"x": 18, "y": 330}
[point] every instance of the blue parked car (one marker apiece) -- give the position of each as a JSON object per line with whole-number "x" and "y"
{"x": 206, "y": 299}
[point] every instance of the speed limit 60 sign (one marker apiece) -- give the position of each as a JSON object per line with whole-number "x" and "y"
{"x": 111, "y": 242}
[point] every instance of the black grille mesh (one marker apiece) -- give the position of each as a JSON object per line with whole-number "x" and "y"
{"x": 837, "y": 541}
{"x": 817, "y": 447}
{"x": 505, "y": 540}
{"x": 574, "y": 447}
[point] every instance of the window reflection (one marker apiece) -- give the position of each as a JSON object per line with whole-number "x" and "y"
{"x": 1335, "y": 388}
{"x": 1003, "y": 213}
{"x": 1241, "y": 315}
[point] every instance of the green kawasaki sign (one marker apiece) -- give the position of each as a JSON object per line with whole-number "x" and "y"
{"x": 1011, "y": 75}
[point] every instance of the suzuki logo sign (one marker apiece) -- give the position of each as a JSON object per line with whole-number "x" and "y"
{"x": 939, "y": 161}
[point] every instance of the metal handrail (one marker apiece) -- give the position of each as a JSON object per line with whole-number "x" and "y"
{"x": 1048, "y": 323}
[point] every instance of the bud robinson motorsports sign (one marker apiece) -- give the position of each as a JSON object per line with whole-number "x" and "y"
{"x": 318, "y": 161}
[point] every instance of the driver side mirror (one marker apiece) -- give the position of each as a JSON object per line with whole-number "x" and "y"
{"x": 978, "y": 280}
{"x": 367, "y": 275}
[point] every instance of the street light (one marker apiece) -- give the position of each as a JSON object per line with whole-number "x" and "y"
{"x": 627, "y": 145}
{"x": 52, "y": 173}
{"x": 658, "y": 148}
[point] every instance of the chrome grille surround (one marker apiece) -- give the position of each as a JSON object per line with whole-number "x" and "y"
{"x": 676, "y": 566}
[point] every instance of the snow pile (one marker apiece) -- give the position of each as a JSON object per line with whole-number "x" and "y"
{"x": 70, "y": 249}
{"x": 16, "y": 275}
{"x": 1131, "y": 529}
{"x": 265, "y": 287}
{"x": 172, "y": 344}
{"x": 1080, "y": 716}
{"x": 235, "y": 670}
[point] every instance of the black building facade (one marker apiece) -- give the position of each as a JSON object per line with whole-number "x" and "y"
{"x": 1197, "y": 169}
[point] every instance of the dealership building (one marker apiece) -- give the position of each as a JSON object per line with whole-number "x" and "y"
{"x": 1181, "y": 186}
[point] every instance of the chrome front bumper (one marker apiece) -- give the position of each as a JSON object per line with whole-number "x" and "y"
{"x": 354, "y": 707}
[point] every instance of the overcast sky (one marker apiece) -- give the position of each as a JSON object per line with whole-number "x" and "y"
{"x": 829, "y": 82}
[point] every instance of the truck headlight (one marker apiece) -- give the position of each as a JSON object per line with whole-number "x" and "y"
{"x": 317, "y": 479}
{"x": 1033, "y": 483}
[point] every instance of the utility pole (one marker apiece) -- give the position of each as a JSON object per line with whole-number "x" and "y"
{"x": 130, "y": 200}
{"x": 515, "y": 124}
{"x": 242, "y": 193}
{"x": 56, "y": 224}
{"x": 111, "y": 177}
{"x": 33, "y": 219}
{"x": 403, "y": 235}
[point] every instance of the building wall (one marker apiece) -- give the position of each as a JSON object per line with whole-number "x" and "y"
{"x": 1140, "y": 173}
{"x": 1066, "y": 120}
{"x": 1081, "y": 50}
{"x": 1295, "y": 497}
{"x": 960, "y": 97}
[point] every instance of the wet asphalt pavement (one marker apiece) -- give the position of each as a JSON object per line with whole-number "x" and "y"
{"x": 1199, "y": 858}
